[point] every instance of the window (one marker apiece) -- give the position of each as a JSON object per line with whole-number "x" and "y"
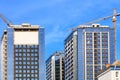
{"x": 36, "y": 54}
{"x": 16, "y": 46}
{"x": 116, "y": 74}
{"x": 28, "y": 58}
{"x": 24, "y": 58}
{"x": 36, "y": 75}
{"x": 16, "y": 75}
{"x": 20, "y": 67}
{"x": 36, "y": 71}
{"x": 117, "y": 78}
{"x": 36, "y": 58}
{"x": 24, "y": 71}
{"x": 36, "y": 66}
{"x": 20, "y": 62}
{"x": 36, "y": 50}
{"x": 16, "y": 67}
{"x": 16, "y": 54}
{"x": 32, "y": 58}
{"x": 24, "y": 54}
{"x": 28, "y": 54}
{"x": 16, "y": 71}
{"x": 16, "y": 62}
{"x": 20, "y": 54}
{"x": 28, "y": 66}
{"x": 32, "y": 71}
{"x": 24, "y": 75}
{"x": 24, "y": 50}
{"x": 28, "y": 71}
{"x": 32, "y": 75}
{"x": 26, "y": 62}
{"x": 20, "y": 50}
{"x": 16, "y": 50}
{"x": 28, "y": 50}
{"x": 24, "y": 67}
{"x": 32, "y": 54}
{"x": 32, "y": 62}
{"x": 28, "y": 75}
{"x": 36, "y": 62}
{"x": 32, "y": 50}
{"x": 16, "y": 58}
{"x": 20, "y": 58}
{"x": 20, "y": 75}
{"x": 32, "y": 67}
{"x": 24, "y": 46}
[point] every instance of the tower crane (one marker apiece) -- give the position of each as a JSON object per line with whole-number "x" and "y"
{"x": 115, "y": 14}
{"x": 5, "y": 21}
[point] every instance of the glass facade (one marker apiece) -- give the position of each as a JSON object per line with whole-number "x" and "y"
{"x": 57, "y": 69}
{"x": 98, "y": 41}
{"x": 10, "y": 54}
{"x": 91, "y": 49}
{"x": 26, "y": 62}
{"x": 42, "y": 69}
{"x": 96, "y": 51}
{"x": 25, "y": 59}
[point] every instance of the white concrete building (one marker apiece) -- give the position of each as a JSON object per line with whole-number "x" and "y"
{"x": 111, "y": 73}
{"x": 55, "y": 66}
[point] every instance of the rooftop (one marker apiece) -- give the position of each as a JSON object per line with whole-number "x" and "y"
{"x": 92, "y": 26}
{"x": 116, "y": 63}
{"x": 25, "y": 25}
{"x": 57, "y": 53}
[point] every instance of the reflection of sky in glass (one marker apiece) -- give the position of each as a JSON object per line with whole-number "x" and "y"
{"x": 10, "y": 55}
{"x": 93, "y": 44}
{"x": 42, "y": 53}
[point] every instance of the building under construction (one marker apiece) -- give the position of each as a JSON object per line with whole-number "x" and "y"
{"x": 87, "y": 50}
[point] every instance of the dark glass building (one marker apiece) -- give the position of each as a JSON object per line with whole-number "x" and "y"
{"x": 87, "y": 50}
{"x": 22, "y": 53}
{"x": 55, "y": 67}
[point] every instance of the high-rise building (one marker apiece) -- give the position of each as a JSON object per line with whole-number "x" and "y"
{"x": 87, "y": 50}
{"x": 55, "y": 66}
{"x": 22, "y": 53}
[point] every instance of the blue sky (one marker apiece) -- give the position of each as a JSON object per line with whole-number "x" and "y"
{"x": 58, "y": 16}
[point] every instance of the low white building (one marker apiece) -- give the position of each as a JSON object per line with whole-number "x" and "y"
{"x": 112, "y": 72}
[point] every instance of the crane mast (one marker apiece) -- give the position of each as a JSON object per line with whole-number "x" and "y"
{"x": 114, "y": 26}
